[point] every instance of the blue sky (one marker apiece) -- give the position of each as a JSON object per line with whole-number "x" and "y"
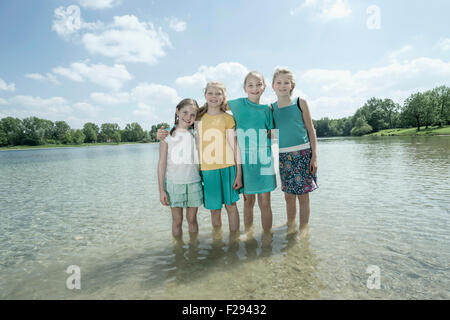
{"x": 132, "y": 60}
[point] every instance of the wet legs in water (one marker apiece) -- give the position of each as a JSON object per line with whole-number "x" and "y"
{"x": 177, "y": 222}
{"x": 291, "y": 209}
{"x": 264, "y": 206}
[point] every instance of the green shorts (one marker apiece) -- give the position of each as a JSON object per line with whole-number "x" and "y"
{"x": 188, "y": 195}
{"x": 218, "y": 187}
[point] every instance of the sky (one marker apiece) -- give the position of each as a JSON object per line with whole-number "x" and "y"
{"x": 123, "y": 61}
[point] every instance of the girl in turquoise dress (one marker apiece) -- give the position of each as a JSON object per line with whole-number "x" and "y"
{"x": 253, "y": 124}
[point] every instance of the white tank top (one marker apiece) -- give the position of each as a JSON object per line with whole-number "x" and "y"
{"x": 182, "y": 158}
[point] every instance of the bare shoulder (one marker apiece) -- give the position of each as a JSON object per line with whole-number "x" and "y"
{"x": 303, "y": 104}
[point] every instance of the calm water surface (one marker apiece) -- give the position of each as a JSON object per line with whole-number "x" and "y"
{"x": 382, "y": 202}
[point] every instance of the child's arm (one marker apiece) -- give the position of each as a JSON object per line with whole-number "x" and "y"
{"x": 162, "y": 165}
{"x": 311, "y": 134}
{"x": 232, "y": 141}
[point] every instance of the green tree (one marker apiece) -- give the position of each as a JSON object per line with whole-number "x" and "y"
{"x": 68, "y": 138}
{"x": 78, "y": 136}
{"x": 14, "y": 130}
{"x": 391, "y": 110}
{"x": 3, "y": 138}
{"x": 133, "y": 132}
{"x": 91, "y": 131}
{"x": 59, "y": 131}
{"x": 413, "y": 110}
{"x": 323, "y": 127}
{"x": 34, "y": 131}
{"x": 361, "y": 127}
{"x": 108, "y": 132}
{"x": 443, "y": 101}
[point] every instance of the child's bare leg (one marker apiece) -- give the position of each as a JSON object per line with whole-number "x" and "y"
{"x": 249, "y": 204}
{"x": 266, "y": 210}
{"x": 216, "y": 218}
{"x": 177, "y": 221}
{"x": 304, "y": 210}
{"x": 191, "y": 217}
{"x": 291, "y": 207}
{"x": 233, "y": 217}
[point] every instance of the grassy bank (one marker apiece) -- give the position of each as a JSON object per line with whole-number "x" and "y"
{"x": 49, "y": 146}
{"x": 431, "y": 131}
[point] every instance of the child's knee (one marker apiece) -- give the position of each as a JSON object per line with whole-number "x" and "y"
{"x": 177, "y": 222}
{"x": 249, "y": 200}
{"x": 303, "y": 198}
{"x": 192, "y": 220}
{"x": 289, "y": 197}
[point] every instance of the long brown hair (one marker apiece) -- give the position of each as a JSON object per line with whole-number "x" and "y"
{"x": 204, "y": 108}
{"x": 181, "y": 105}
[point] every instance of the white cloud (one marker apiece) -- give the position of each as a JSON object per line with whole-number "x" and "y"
{"x": 110, "y": 98}
{"x": 100, "y": 74}
{"x": 231, "y": 74}
{"x": 394, "y": 55}
{"x": 7, "y": 87}
{"x": 98, "y": 4}
{"x": 443, "y": 44}
{"x": 128, "y": 40}
{"x": 37, "y": 102}
{"x": 176, "y": 25}
{"x": 54, "y": 108}
{"x": 325, "y": 10}
{"x": 39, "y": 77}
{"x": 155, "y": 102}
{"x": 68, "y": 21}
{"x": 87, "y": 108}
{"x": 337, "y": 93}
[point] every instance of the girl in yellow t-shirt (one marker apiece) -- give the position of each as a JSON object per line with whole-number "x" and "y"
{"x": 219, "y": 157}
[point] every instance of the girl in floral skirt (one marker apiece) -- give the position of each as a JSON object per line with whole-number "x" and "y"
{"x": 297, "y": 145}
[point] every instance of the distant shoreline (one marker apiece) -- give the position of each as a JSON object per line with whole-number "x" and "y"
{"x": 57, "y": 146}
{"x": 430, "y": 131}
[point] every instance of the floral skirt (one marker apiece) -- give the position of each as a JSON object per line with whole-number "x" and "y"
{"x": 295, "y": 175}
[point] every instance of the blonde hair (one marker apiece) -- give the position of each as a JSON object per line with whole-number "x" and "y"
{"x": 217, "y": 85}
{"x": 254, "y": 74}
{"x": 183, "y": 103}
{"x": 287, "y": 72}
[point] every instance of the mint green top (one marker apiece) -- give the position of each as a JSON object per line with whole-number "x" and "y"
{"x": 289, "y": 122}
{"x": 253, "y": 121}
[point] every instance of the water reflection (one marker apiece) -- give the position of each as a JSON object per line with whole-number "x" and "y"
{"x": 271, "y": 265}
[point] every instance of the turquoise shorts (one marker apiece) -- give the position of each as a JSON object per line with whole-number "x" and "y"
{"x": 218, "y": 187}
{"x": 188, "y": 195}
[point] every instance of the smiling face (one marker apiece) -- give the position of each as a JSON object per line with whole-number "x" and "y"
{"x": 186, "y": 116}
{"x": 282, "y": 85}
{"x": 254, "y": 87}
{"x": 214, "y": 96}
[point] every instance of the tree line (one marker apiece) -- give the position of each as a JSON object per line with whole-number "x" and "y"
{"x": 35, "y": 131}
{"x": 430, "y": 108}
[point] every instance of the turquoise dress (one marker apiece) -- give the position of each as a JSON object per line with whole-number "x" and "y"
{"x": 253, "y": 122}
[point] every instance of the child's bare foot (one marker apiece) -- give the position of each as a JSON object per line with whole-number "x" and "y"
{"x": 304, "y": 231}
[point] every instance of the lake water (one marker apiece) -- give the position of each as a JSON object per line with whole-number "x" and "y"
{"x": 382, "y": 204}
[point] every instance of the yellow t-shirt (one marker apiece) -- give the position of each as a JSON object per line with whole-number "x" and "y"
{"x": 215, "y": 151}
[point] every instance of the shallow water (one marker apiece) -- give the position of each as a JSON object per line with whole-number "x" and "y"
{"x": 382, "y": 201}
